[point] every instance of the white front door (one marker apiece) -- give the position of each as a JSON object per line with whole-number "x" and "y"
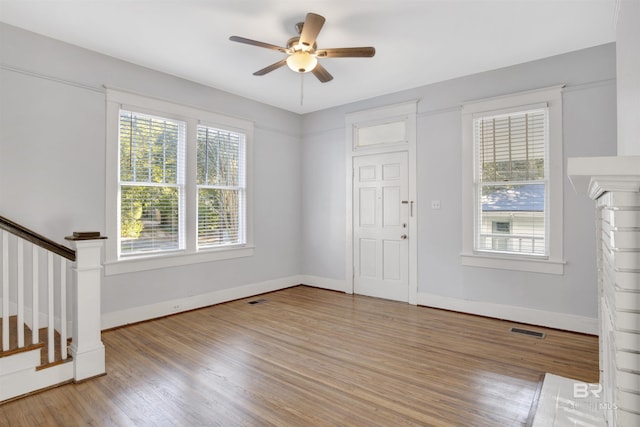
{"x": 380, "y": 225}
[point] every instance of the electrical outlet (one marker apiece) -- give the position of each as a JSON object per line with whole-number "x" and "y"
{"x": 435, "y": 204}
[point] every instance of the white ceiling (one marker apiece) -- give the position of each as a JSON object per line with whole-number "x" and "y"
{"x": 417, "y": 41}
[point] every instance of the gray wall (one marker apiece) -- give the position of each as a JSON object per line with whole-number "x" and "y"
{"x": 589, "y": 130}
{"x": 52, "y": 162}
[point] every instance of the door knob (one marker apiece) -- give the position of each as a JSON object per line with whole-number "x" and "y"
{"x": 403, "y": 236}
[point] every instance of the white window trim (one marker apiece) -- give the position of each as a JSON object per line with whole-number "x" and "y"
{"x": 554, "y": 262}
{"x": 117, "y": 99}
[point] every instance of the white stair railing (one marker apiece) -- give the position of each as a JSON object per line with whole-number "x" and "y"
{"x": 34, "y": 293}
{"x": 23, "y": 275}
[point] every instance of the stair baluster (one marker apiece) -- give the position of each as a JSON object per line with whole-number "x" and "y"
{"x": 5, "y": 291}
{"x": 20, "y": 297}
{"x": 35, "y": 295}
{"x": 63, "y": 308}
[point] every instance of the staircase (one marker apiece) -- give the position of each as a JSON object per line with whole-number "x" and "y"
{"x": 42, "y": 343}
{"x": 53, "y": 290}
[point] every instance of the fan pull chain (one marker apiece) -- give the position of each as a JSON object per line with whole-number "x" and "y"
{"x": 301, "y": 88}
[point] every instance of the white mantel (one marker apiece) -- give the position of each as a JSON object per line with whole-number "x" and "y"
{"x": 592, "y": 176}
{"x": 614, "y": 183}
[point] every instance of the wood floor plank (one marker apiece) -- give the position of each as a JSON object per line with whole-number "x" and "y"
{"x": 307, "y": 356}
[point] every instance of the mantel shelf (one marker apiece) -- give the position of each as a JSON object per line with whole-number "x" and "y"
{"x": 594, "y": 176}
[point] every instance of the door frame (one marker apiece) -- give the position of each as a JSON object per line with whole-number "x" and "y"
{"x": 400, "y": 122}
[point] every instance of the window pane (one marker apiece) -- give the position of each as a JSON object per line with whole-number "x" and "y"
{"x": 149, "y": 219}
{"x": 149, "y": 148}
{"x": 218, "y": 216}
{"x": 387, "y": 133}
{"x": 511, "y": 147}
{"x": 220, "y": 160}
{"x": 512, "y": 218}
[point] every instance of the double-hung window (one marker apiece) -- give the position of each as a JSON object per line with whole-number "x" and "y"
{"x": 151, "y": 183}
{"x": 512, "y": 182}
{"x": 177, "y": 184}
{"x": 221, "y": 187}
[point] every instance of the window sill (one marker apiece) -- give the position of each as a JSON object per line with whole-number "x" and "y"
{"x": 502, "y": 262}
{"x": 152, "y": 262}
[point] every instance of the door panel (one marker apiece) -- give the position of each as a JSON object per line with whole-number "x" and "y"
{"x": 391, "y": 203}
{"x": 391, "y": 253}
{"x": 367, "y": 173}
{"x": 368, "y": 258}
{"x": 380, "y": 223}
{"x": 367, "y": 207}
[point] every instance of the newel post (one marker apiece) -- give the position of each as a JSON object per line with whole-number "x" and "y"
{"x": 86, "y": 347}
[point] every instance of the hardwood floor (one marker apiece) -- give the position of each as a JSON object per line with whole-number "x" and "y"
{"x": 307, "y": 356}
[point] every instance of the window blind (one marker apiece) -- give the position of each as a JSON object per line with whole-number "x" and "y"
{"x": 510, "y": 151}
{"x": 151, "y": 183}
{"x": 221, "y": 187}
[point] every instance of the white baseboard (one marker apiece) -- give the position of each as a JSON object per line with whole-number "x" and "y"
{"x": 165, "y": 308}
{"x": 325, "y": 283}
{"x": 531, "y": 316}
{"x": 567, "y": 322}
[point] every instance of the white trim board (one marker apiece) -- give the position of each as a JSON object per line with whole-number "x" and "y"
{"x": 549, "y": 319}
{"x": 563, "y": 321}
{"x": 166, "y": 308}
{"x": 325, "y": 283}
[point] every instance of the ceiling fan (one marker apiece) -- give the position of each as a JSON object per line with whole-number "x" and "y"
{"x": 303, "y": 52}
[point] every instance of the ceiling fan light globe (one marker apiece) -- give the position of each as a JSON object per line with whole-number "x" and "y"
{"x": 302, "y": 62}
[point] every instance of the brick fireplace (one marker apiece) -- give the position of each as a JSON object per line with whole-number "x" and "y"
{"x": 614, "y": 184}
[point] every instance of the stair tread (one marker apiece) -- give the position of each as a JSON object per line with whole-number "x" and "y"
{"x": 42, "y": 344}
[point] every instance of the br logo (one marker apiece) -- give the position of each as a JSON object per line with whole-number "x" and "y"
{"x": 584, "y": 390}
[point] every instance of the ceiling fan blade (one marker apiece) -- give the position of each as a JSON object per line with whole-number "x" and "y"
{"x": 346, "y": 52}
{"x": 321, "y": 73}
{"x": 311, "y": 28}
{"x": 259, "y": 44}
{"x": 270, "y": 68}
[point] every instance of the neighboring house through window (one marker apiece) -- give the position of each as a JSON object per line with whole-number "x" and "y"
{"x": 515, "y": 210}
{"x": 512, "y": 182}
{"x": 177, "y": 184}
